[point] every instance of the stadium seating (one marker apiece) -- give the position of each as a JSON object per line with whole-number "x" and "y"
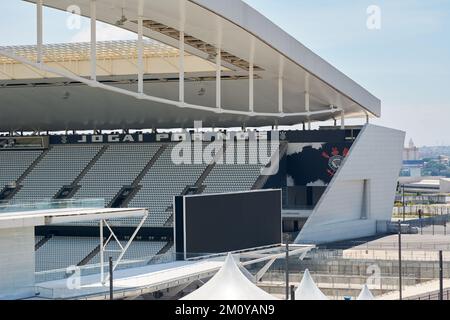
{"x": 59, "y": 167}
{"x": 37, "y": 239}
{"x": 117, "y": 167}
{"x": 161, "y": 183}
{"x": 62, "y": 252}
{"x": 59, "y": 253}
{"x": 138, "y": 251}
{"x": 233, "y": 177}
{"x": 14, "y": 163}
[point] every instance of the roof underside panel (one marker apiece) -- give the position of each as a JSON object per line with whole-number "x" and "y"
{"x": 244, "y": 36}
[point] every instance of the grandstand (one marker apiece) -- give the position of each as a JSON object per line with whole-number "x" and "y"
{"x": 59, "y": 167}
{"x": 90, "y": 118}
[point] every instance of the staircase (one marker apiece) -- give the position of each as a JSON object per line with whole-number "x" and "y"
{"x": 67, "y": 192}
{"x": 159, "y": 257}
{"x": 199, "y": 183}
{"x": 90, "y": 165}
{"x": 119, "y": 201}
{"x": 42, "y": 242}
{"x": 9, "y": 192}
{"x": 32, "y": 166}
{"x": 89, "y": 257}
{"x": 124, "y": 196}
{"x": 149, "y": 165}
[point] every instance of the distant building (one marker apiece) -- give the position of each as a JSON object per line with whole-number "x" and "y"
{"x": 426, "y": 185}
{"x": 412, "y": 164}
{"x": 412, "y": 168}
{"x": 444, "y": 160}
{"x": 411, "y": 153}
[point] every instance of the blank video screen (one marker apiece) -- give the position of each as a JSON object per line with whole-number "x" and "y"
{"x": 218, "y": 223}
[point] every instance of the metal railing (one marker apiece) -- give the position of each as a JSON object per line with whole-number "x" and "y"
{"x": 432, "y": 296}
{"x": 52, "y": 204}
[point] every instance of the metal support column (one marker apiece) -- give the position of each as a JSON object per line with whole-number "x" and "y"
{"x": 181, "y": 75}
{"x": 219, "y": 79}
{"x": 140, "y": 48}
{"x": 287, "y": 270}
{"x": 111, "y": 279}
{"x": 400, "y": 260}
{"x": 342, "y": 120}
{"x": 308, "y": 108}
{"x": 280, "y": 95}
{"x": 93, "y": 40}
{"x": 102, "y": 275}
{"x": 251, "y": 88}
{"x": 280, "y": 85}
{"x": 39, "y": 36}
{"x": 441, "y": 276}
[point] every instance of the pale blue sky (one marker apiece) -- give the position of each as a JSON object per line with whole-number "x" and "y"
{"x": 406, "y": 63}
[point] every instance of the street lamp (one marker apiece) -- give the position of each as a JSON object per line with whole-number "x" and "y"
{"x": 400, "y": 259}
{"x": 403, "y": 201}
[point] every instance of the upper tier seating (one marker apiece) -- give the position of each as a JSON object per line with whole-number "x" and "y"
{"x": 234, "y": 176}
{"x": 117, "y": 167}
{"x": 161, "y": 183}
{"x": 14, "y": 163}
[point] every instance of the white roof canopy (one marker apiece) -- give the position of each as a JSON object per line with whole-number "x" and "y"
{"x": 311, "y": 89}
{"x": 229, "y": 284}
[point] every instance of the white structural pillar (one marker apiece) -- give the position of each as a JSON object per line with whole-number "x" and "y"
{"x": 93, "y": 40}
{"x": 342, "y": 120}
{"x": 182, "y": 51}
{"x": 251, "y": 88}
{"x": 39, "y": 28}
{"x": 280, "y": 85}
{"x": 307, "y": 100}
{"x": 280, "y": 95}
{"x": 140, "y": 47}
{"x": 251, "y": 77}
{"x": 308, "y": 108}
{"x": 219, "y": 79}
{"x": 181, "y": 76}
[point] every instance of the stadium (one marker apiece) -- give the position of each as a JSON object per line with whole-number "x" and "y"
{"x": 153, "y": 159}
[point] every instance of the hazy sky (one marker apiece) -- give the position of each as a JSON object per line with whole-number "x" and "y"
{"x": 406, "y": 63}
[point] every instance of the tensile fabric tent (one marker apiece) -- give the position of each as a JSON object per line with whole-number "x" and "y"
{"x": 365, "y": 294}
{"x": 308, "y": 290}
{"x": 229, "y": 284}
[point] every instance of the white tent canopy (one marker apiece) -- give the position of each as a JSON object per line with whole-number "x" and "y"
{"x": 365, "y": 294}
{"x": 229, "y": 284}
{"x": 308, "y": 290}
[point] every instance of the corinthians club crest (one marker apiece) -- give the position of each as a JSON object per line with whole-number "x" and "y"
{"x": 335, "y": 159}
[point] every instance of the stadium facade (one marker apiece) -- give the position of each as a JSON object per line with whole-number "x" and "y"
{"x": 220, "y": 63}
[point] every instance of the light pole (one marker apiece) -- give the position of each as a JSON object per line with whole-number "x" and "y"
{"x": 400, "y": 259}
{"x": 441, "y": 276}
{"x": 403, "y": 201}
{"x": 287, "y": 269}
{"x": 111, "y": 289}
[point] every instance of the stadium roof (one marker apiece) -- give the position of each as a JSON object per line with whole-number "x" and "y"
{"x": 311, "y": 88}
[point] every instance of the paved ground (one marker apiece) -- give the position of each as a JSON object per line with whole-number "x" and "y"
{"x": 423, "y": 291}
{"x": 423, "y": 242}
